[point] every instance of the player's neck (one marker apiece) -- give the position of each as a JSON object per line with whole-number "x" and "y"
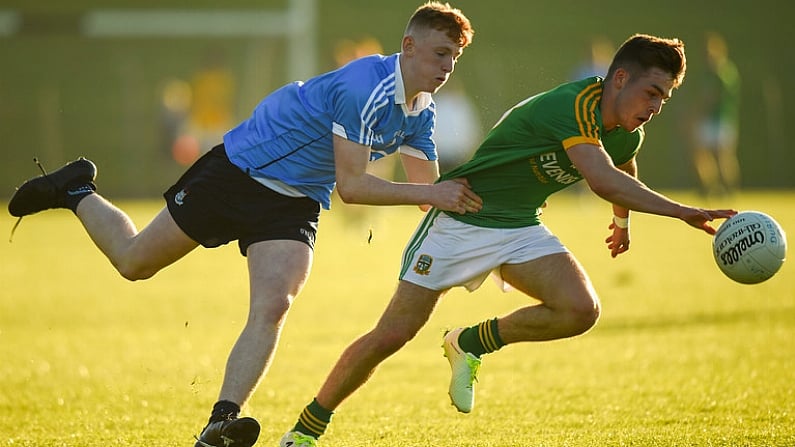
{"x": 409, "y": 91}
{"x": 607, "y": 108}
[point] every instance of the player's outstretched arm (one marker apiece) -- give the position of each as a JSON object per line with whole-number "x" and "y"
{"x": 619, "y": 188}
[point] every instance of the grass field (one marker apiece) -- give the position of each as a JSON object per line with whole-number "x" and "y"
{"x": 682, "y": 356}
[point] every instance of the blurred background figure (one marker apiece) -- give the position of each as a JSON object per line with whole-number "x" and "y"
{"x": 197, "y": 114}
{"x": 347, "y": 50}
{"x": 175, "y": 105}
{"x": 715, "y": 129}
{"x": 212, "y": 111}
{"x": 458, "y": 130}
{"x": 598, "y": 55}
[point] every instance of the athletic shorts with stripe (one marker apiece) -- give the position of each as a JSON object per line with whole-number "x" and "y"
{"x": 445, "y": 253}
{"x": 215, "y": 202}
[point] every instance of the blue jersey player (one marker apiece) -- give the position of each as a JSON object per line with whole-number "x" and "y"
{"x": 265, "y": 184}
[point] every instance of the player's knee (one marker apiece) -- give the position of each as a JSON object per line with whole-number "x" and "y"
{"x": 584, "y": 315}
{"x": 268, "y": 312}
{"x": 391, "y": 340}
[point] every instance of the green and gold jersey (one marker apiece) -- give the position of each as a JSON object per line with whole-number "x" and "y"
{"x": 523, "y": 160}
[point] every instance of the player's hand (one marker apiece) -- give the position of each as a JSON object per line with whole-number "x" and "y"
{"x": 455, "y": 195}
{"x": 618, "y": 241}
{"x": 700, "y": 218}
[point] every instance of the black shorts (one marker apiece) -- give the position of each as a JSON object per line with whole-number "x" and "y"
{"x": 215, "y": 202}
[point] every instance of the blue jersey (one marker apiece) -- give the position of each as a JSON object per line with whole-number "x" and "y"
{"x": 288, "y": 137}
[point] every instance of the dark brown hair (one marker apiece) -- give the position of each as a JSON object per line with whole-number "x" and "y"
{"x": 642, "y": 52}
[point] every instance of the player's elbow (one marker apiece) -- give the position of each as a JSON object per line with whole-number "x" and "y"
{"x": 134, "y": 271}
{"x": 348, "y": 193}
{"x": 604, "y": 188}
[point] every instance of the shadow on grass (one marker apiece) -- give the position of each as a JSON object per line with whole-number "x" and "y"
{"x": 766, "y": 317}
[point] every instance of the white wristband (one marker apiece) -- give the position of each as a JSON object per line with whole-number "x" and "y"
{"x": 621, "y": 222}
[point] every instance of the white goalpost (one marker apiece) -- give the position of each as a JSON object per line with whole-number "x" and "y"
{"x": 296, "y": 24}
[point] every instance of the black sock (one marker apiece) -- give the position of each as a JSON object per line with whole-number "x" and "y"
{"x": 224, "y": 410}
{"x": 75, "y": 193}
{"x": 313, "y": 420}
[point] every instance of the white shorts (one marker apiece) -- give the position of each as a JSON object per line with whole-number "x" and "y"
{"x": 445, "y": 253}
{"x": 717, "y": 136}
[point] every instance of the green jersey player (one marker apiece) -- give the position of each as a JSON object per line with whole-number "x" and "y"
{"x": 586, "y": 130}
{"x": 524, "y": 155}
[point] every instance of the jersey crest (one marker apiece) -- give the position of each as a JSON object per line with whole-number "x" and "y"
{"x": 423, "y": 265}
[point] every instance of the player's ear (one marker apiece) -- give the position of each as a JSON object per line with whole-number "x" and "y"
{"x": 408, "y": 44}
{"x": 620, "y": 77}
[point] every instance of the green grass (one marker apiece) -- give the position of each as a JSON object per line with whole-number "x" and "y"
{"x": 681, "y": 356}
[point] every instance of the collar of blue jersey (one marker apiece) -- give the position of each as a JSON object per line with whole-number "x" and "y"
{"x": 423, "y": 99}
